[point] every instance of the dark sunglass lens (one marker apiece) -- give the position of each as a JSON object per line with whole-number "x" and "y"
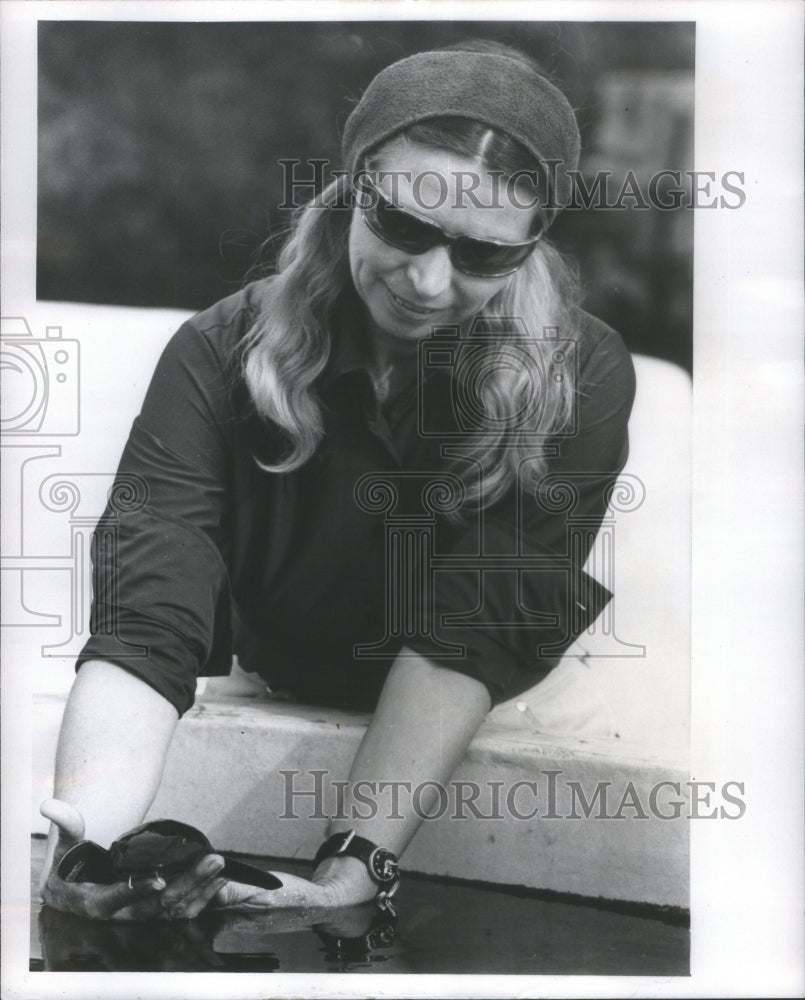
{"x": 404, "y": 230}
{"x": 481, "y": 258}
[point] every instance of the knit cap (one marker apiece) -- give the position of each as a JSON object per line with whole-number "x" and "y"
{"x": 494, "y": 89}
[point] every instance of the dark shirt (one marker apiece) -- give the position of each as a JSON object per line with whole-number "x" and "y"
{"x": 317, "y": 577}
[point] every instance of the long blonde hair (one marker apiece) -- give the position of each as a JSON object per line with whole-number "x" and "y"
{"x": 288, "y": 347}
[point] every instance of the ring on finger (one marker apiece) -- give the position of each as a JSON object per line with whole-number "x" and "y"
{"x": 135, "y": 880}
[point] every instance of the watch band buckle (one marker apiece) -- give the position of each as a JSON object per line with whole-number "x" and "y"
{"x": 383, "y": 899}
{"x": 346, "y": 843}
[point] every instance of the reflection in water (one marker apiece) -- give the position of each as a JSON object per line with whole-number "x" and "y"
{"x": 441, "y": 927}
{"x": 74, "y": 944}
{"x": 216, "y": 942}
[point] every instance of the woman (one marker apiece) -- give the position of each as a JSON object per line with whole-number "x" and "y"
{"x": 419, "y": 354}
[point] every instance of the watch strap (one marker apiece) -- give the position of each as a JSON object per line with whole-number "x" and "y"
{"x": 380, "y": 862}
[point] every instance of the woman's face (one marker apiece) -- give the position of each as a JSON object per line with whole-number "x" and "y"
{"x": 408, "y": 294}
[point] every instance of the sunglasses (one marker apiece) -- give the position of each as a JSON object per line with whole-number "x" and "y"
{"x": 408, "y": 232}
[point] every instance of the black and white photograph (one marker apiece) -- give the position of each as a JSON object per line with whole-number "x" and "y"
{"x": 402, "y": 499}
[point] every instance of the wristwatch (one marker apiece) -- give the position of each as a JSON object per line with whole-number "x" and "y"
{"x": 381, "y": 863}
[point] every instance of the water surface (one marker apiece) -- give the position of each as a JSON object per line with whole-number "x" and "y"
{"x": 441, "y": 926}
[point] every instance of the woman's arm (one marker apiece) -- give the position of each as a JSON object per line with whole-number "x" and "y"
{"x": 162, "y": 584}
{"x": 425, "y": 719}
{"x": 112, "y": 747}
{"x": 115, "y": 736}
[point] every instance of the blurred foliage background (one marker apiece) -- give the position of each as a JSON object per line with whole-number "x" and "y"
{"x": 159, "y": 149}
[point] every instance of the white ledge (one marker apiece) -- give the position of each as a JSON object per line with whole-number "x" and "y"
{"x": 224, "y": 774}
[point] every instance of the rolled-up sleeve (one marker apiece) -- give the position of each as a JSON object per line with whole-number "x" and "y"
{"x": 161, "y": 600}
{"x": 511, "y": 595}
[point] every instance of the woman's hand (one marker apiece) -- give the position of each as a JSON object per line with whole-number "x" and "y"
{"x": 337, "y": 882}
{"x": 181, "y": 898}
{"x": 296, "y": 893}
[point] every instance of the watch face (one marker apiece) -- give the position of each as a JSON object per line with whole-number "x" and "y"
{"x": 383, "y": 865}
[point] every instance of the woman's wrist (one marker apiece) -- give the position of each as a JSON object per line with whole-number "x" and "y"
{"x": 346, "y": 879}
